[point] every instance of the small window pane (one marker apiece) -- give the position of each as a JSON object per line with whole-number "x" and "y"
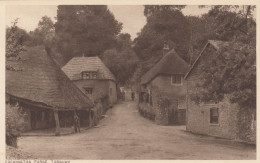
{"x": 214, "y": 115}
{"x": 94, "y": 75}
{"x": 84, "y": 76}
{"x": 176, "y": 79}
{"x": 87, "y": 75}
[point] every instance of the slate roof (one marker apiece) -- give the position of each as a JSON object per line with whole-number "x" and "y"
{"x": 170, "y": 64}
{"x": 42, "y": 82}
{"x": 218, "y": 45}
{"x": 76, "y": 65}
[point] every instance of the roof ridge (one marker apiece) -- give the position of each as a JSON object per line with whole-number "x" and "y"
{"x": 170, "y": 63}
{"x": 78, "y": 64}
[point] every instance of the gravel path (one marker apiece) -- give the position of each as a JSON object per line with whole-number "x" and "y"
{"x": 124, "y": 134}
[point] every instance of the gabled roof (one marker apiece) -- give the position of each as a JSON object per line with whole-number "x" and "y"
{"x": 217, "y": 45}
{"x": 39, "y": 80}
{"x": 170, "y": 64}
{"x": 77, "y": 65}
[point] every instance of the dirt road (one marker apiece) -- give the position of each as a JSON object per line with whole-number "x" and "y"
{"x": 124, "y": 134}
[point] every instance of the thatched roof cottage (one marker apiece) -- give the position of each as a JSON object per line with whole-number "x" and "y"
{"x": 165, "y": 79}
{"x": 92, "y": 77}
{"x": 43, "y": 90}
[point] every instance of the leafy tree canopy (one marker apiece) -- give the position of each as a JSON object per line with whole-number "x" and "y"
{"x": 44, "y": 33}
{"x": 152, "y": 9}
{"x": 163, "y": 25}
{"x": 14, "y": 40}
{"x": 85, "y": 29}
{"x": 122, "y": 60}
{"x": 232, "y": 71}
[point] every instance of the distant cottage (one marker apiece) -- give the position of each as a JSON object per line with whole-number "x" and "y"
{"x": 222, "y": 119}
{"x": 92, "y": 77}
{"x": 165, "y": 80}
{"x": 44, "y": 92}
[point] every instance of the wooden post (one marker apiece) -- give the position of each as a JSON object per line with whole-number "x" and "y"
{"x": 57, "y": 122}
{"x": 90, "y": 118}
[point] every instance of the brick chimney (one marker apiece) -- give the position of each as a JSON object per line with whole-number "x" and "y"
{"x": 165, "y": 48}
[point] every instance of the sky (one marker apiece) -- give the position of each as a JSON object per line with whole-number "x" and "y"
{"x": 131, "y": 16}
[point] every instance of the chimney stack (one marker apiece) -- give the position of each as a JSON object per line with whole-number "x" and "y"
{"x": 165, "y": 48}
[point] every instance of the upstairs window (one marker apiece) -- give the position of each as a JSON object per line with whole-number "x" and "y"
{"x": 89, "y": 75}
{"x": 214, "y": 115}
{"x": 88, "y": 90}
{"x": 176, "y": 80}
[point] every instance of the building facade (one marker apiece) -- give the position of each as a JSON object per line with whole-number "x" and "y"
{"x": 92, "y": 77}
{"x": 43, "y": 92}
{"x": 164, "y": 82}
{"x": 223, "y": 118}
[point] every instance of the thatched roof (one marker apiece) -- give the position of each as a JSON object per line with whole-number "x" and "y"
{"x": 170, "y": 64}
{"x": 218, "y": 45}
{"x": 41, "y": 81}
{"x": 77, "y": 65}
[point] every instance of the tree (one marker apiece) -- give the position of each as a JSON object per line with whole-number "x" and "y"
{"x": 85, "y": 29}
{"x": 226, "y": 23}
{"x": 232, "y": 21}
{"x": 14, "y": 41}
{"x": 124, "y": 41}
{"x": 163, "y": 24}
{"x": 13, "y": 124}
{"x": 14, "y": 46}
{"x": 44, "y": 33}
{"x": 152, "y": 9}
{"x": 232, "y": 71}
{"x": 122, "y": 62}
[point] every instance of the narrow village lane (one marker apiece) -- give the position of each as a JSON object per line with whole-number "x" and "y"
{"x": 124, "y": 134}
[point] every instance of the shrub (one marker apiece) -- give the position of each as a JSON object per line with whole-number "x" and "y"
{"x": 13, "y": 124}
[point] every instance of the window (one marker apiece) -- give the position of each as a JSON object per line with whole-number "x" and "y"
{"x": 214, "y": 115}
{"x": 88, "y": 90}
{"x": 94, "y": 75}
{"x": 89, "y": 75}
{"x": 176, "y": 79}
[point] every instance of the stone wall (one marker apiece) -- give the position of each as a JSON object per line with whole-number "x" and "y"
{"x": 112, "y": 95}
{"x": 163, "y": 84}
{"x": 166, "y": 100}
{"x": 100, "y": 89}
{"x": 198, "y": 119}
{"x": 234, "y": 122}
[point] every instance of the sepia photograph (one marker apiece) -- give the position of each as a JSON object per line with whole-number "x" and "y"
{"x": 130, "y": 82}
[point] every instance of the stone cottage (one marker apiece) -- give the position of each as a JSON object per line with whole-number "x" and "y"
{"x": 223, "y": 118}
{"x": 164, "y": 82}
{"x": 40, "y": 88}
{"x": 92, "y": 77}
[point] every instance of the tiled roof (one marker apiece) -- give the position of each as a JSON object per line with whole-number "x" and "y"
{"x": 77, "y": 65}
{"x": 171, "y": 63}
{"x": 42, "y": 81}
